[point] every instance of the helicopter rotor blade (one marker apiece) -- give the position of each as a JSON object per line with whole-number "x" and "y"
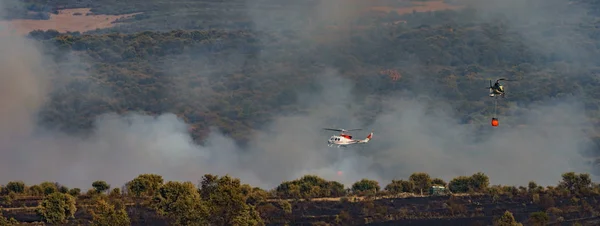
{"x": 504, "y": 79}
{"x": 341, "y": 130}
{"x": 338, "y": 130}
{"x": 353, "y": 129}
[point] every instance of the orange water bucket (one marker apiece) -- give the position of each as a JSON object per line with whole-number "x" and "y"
{"x": 495, "y": 122}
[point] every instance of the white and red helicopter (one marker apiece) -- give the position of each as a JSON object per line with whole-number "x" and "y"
{"x": 345, "y": 139}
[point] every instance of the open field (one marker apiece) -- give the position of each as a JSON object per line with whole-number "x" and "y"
{"x": 84, "y": 19}
{"x": 66, "y": 20}
{"x": 418, "y": 6}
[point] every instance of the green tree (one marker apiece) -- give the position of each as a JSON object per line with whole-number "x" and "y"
{"x": 227, "y": 202}
{"x": 74, "y": 192}
{"x": 35, "y": 190}
{"x": 254, "y": 195}
{"x": 569, "y": 181}
{"x": 180, "y": 202}
{"x": 422, "y": 182}
{"x": 335, "y": 189}
{"x": 308, "y": 186}
{"x": 395, "y": 187}
{"x": 48, "y": 187}
{"x": 115, "y": 193}
{"x": 57, "y": 207}
{"x": 100, "y": 186}
{"x": 576, "y": 182}
{"x": 208, "y": 185}
{"x": 532, "y": 186}
{"x": 407, "y": 186}
{"x": 105, "y": 214}
{"x": 145, "y": 184}
{"x": 479, "y": 182}
{"x": 459, "y": 184}
{"x": 366, "y": 185}
{"x": 62, "y": 188}
{"x": 539, "y": 218}
{"x": 507, "y": 220}
{"x": 16, "y": 187}
{"x": 438, "y": 181}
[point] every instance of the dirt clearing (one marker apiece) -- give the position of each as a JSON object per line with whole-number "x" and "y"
{"x": 66, "y": 20}
{"x": 418, "y": 7}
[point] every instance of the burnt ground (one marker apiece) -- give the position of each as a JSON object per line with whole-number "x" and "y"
{"x": 442, "y": 210}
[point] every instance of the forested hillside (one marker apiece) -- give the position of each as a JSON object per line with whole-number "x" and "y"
{"x": 442, "y": 51}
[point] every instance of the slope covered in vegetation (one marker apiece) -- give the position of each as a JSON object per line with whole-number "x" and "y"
{"x": 268, "y": 69}
{"x": 309, "y": 200}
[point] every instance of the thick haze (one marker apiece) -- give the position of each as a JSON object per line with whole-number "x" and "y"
{"x": 549, "y": 27}
{"x": 410, "y": 135}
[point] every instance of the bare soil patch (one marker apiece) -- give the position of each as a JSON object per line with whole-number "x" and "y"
{"x": 66, "y": 20}
{"x": 418, "y": 7}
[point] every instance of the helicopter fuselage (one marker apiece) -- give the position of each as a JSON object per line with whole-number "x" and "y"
{"x": 496, "y": 90}
{"x": 339, "y": 140}
{"x": 345, "y": 139}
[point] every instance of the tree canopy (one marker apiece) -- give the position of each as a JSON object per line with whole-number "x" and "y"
{"x": 225, "y": 200}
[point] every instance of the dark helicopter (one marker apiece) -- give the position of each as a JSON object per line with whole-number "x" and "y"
{"x": 497, "y": 88}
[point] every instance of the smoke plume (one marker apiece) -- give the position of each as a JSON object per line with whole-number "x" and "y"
{"x": 410, "y": 135}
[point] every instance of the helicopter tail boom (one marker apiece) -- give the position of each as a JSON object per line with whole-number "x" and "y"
{"x": 366, "y": 140}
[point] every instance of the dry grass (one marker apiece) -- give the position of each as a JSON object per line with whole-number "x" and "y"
{"x": 418, "y": 7}
{"x": 361, "y": 198}
{"x": 65, "y": 21}
{"x": 333, "y": 33}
